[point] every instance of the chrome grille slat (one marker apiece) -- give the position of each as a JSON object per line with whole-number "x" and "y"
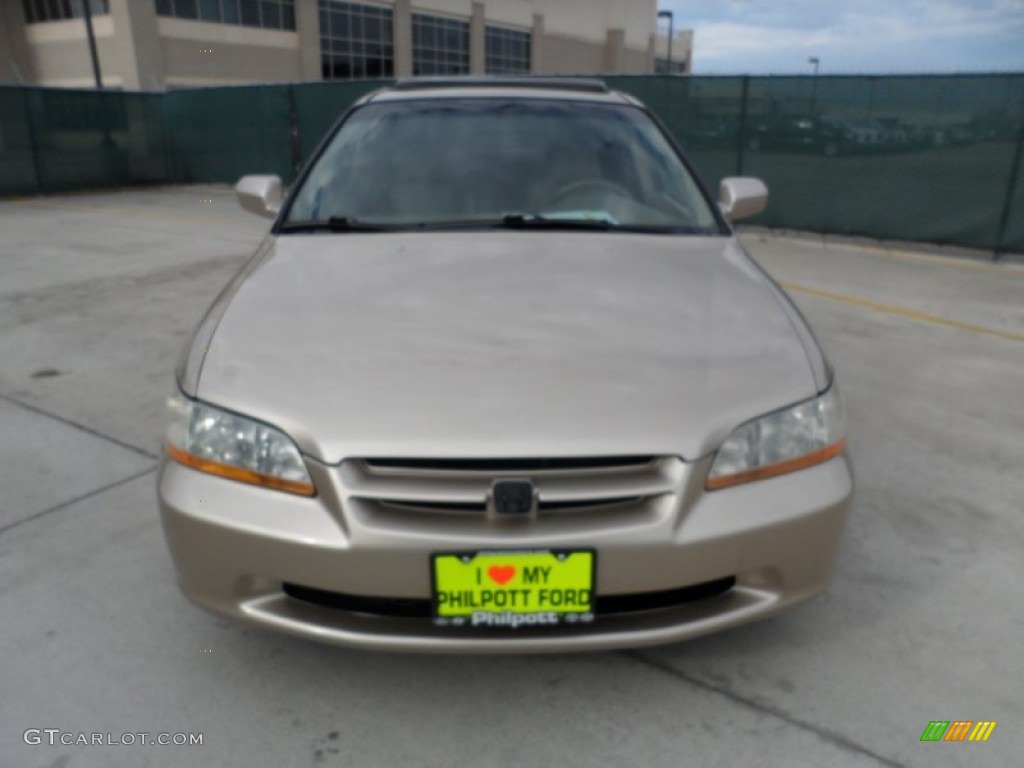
{"x": 497, "y": 467}
{"x": 586, "y": 505}
{"x": 425, "y": 507}
{"x": 477, "y": 509}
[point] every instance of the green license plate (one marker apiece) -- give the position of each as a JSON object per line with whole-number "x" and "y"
{"x": 509, "y": 590}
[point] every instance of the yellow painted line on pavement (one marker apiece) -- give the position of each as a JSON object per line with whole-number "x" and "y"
{"x": 895, "y": 309}
{"x": 945, "y": 261}
{"x": 958, "y": 262}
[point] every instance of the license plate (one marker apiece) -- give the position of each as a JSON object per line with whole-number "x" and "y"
{"x": 511, "y": 590}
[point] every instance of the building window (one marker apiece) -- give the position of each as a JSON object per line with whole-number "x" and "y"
{"x": 269, "y": 14}
{"x": 58, "y": 10}
{"x": 508, "y": 51}
{"x": 355, "y": 41}
{"x": 439, "y": 46}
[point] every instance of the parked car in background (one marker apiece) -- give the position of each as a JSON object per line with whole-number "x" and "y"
{"x": 501, "y": 378}
{"x": 895, "y": 134}
{"x": 863, "y": 135}
{"x": 713, "y": 131}
{"x": 798, "y": 133}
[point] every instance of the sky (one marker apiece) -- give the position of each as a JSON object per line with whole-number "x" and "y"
{"x": 852, "y": 36}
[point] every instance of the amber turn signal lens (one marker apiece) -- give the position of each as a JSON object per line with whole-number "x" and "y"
{"x": 781, "y": 468}
{"x": 236, "y": 473}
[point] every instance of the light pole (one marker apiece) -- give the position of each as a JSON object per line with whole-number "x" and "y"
{"x": 671, "y": 33}
{"x": 814, "y": 61}
{"x": 87, "y": 13}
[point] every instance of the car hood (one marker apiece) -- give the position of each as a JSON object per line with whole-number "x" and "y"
{"x": 505, "y": 344}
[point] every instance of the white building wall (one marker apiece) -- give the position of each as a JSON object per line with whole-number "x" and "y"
{"x": 513, "y": 13}
{"x": 579, "y": 19}
{"x": 59, "y": 51}
{"x": 591, "y": 19}
{"x": 458, "y": 8}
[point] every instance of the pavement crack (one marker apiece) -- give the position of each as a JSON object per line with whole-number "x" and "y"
{"x": 80, "y": 427}
{"x": 81, "y": 497}
{"x": 832, "y": 737}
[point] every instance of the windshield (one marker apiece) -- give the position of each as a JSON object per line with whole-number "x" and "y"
{"x": 512, "y": 162}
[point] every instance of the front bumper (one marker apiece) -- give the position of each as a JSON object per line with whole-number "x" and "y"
{"x": 236, "y": 546}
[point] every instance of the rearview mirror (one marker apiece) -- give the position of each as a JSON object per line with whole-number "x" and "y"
{"x": 740, "y": 197}
{"x": 261, "y": 195}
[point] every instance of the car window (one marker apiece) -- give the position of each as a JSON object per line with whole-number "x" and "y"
{"x": 432, "y": 161}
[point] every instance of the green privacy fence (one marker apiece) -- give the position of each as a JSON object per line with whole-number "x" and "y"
{"x": 56, "y": 140}
{"x": 220, "y": 134}
{"x": 928, "y": 158}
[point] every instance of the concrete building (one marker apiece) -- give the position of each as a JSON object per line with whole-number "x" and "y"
{"x": 681, "y": 52}
{"x": 155, "y": 44}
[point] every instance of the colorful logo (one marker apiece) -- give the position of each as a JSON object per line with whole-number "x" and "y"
{"x": 958, "y": 730}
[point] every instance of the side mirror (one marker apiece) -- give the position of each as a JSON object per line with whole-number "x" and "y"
{"x": 261, "y": 195}
{"x": 741, "y": 197}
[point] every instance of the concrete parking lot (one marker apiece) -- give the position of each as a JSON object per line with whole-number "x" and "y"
{"x": 923, "y": 622}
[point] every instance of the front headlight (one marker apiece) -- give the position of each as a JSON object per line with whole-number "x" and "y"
{"x": 784, "y": 441}
{"x": 226, "y": 444}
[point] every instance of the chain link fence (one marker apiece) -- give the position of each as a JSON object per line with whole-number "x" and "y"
{"x": 927, "y": 158}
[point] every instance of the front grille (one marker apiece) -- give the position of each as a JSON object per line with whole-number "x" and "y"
{"x": 458, "y": 488}
{"x": 605, "y": 605}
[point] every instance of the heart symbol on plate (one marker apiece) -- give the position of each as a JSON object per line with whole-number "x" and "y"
{"x": 501, "y": 574}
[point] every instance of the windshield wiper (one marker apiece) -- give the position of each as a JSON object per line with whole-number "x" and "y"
{"x": 536, "y": 221}
{"x": 333, "y": 224}
{"x": 539, "y": 221}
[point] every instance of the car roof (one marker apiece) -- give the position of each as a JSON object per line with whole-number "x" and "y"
{"x": 554, "y": 88}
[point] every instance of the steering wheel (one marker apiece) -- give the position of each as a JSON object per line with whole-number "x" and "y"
{"x": 587, "y": 184}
